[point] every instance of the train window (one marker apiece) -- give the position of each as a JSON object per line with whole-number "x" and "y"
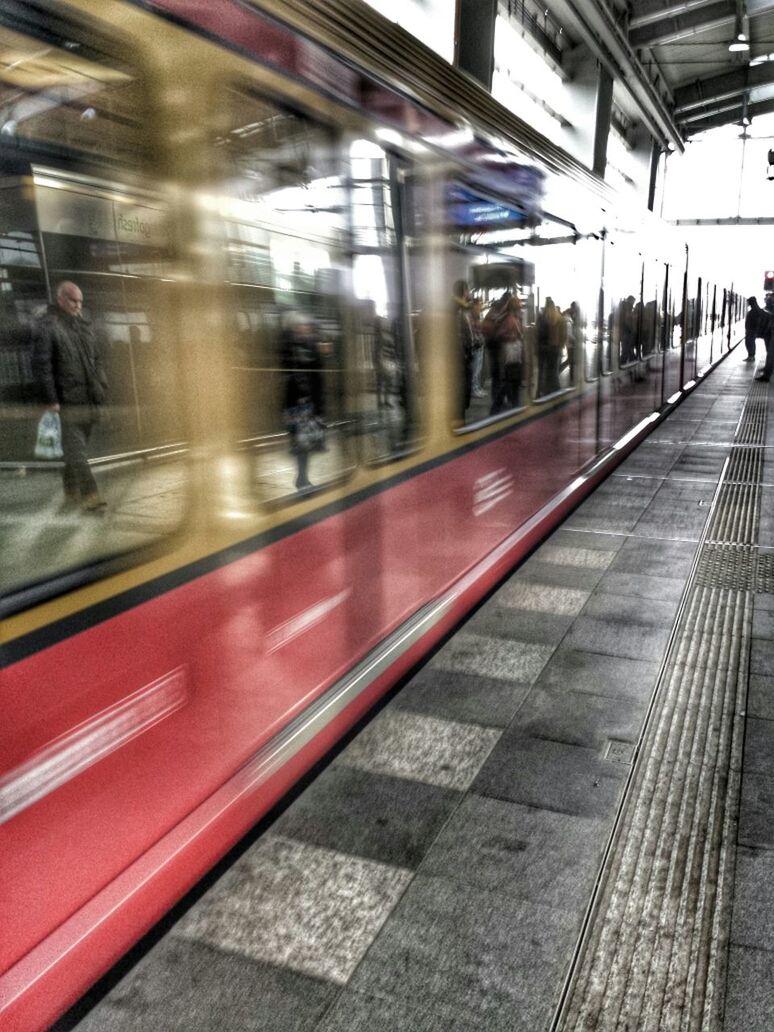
{"x": 91, "y": 430}
{"x": 491, "y": 303}
{"x": 316, "y": 272}
{"x": 282, "y": 201}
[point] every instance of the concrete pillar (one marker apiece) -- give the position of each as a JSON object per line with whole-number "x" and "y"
{"x": 604, "y": 110}
{"x": 475, "y": 39}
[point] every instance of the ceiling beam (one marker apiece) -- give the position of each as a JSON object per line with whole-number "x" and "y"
{"x": 730, "y": 115}
{"x": 647, "y": 11}
{"x": 673, "y": 29}
{"x": 709, "y": 92}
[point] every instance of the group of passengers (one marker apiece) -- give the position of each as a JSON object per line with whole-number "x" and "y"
{"x": 497, "y": 340}
{"x": 635, "y": 329}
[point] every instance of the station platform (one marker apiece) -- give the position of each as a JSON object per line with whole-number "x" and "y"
{"x": 561, "y": 822}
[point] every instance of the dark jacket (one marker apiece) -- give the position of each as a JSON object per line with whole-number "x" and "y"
{"x": 66, "y": 361}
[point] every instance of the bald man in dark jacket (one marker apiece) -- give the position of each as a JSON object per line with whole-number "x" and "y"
{"x": 69, "y": 371}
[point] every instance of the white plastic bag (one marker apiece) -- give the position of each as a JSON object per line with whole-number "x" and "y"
{"x": 49, "y": 442}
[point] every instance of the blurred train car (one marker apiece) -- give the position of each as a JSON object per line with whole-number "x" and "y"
{"x": 227, "y": 187}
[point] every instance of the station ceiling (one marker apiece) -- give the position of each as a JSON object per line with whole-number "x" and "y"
{"x": 687, "y": 44}
{"x": 670, "y": 59}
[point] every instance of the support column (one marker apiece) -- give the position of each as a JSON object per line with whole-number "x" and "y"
{"x": 475, "y": 39}
{"x": 655, "y": 157}
{"x": 602, "y": 124}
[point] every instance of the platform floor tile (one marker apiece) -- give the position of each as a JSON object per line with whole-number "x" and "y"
{"x": 584, "y": 540}
{"x": 194, "y": 987}
{"x": 458, "y": 696}
{"x": 753, "y": 915}
{"x": 411, "y": 745}
{"x": 762, "y": 656}
{"x": 750, "y": 992}
{"x": 760, "y": 698}
{"x": 541, "y": 598}
{"x": 759, "y": 746}
{"x": 538, "y": 570}
{"x": 756, "y": 827}
{"x": 492, "y": 657}
{"x": 519, "y": 851}
{"x": 653, "y": 458}
{"x": 288, "y": 903}
{"x": 580, "y": 556}
{"x": 392, "y": 820}
{"x": 553, "y": 776}
{"x": 559, "y": 714}
{"x": 620, "y": 625}
{"x": 496, "y": 960}
{"x": 597, "y": 674}
{"x": 499, "y": 620}
{"x": 699, "y": 463}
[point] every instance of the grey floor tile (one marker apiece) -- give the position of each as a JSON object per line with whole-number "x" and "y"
{"x": 579, "y": 555}
{"x": 552, "y": 776}
{"x": 760, "y": 697}
{"x": 539, "y": 571}
{"x": 183, "y": 986}
{"x": 756, "y": 827}
{"x": 652, "y": 457}
{"x": 750, "y": 991}
{"x": 619, "y": 625}
{"x": 465, "y": 698}
{"x": 655, "y": 558}
{"x": 519, "y": 851}
{"x": 576, "y": 718}
{"x": 700, "y": 463}
{"x": 412, "y": 745}
{"x": 759, "y": 746}
{"x": 638, "y": 585}
{"x": 584, "y": 540}
{"x": 414, "y": 1012}
{"x": 541, "y": 598}
{"x": 487, "y": 656}
{"x": 529, "y": 626}
{"x": 596, "y": 674}
{"x": 679, "y": 511}
{"x": 488, "y": 956}
{"x": 753, "y": 908}
{"x": 393, "y": 820}
{"x": 295, "y": 905}
{"x": 763, "y": 624}
{"x": 762, "y": 657}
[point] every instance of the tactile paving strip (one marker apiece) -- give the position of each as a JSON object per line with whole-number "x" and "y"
{"x": 653, "y": 954}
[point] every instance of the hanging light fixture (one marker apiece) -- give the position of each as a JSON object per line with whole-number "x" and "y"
{"x": 740, "y": 42}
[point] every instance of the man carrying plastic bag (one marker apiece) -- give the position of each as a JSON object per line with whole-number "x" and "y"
{"x": 68, "y": 367}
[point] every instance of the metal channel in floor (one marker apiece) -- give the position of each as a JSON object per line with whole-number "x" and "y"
{"x": 543, "y": 828}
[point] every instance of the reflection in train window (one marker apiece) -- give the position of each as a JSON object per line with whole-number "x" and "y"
{"x": 87, "y": 318}
{"x": 383, "y": 397}
{"x": 523, "y": 285}
{"x": 317, "y": 274}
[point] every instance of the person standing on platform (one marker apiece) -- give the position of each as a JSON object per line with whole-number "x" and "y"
{"x": 767, "y": 332}
{"x": 68, "y": 368}
{"x": 754, "y": 327}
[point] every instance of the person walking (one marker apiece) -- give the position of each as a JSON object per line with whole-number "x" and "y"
{"x": 68, "y": 369}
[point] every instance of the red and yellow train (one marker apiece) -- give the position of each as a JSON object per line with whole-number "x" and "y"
{"x": 212, "y": 177}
